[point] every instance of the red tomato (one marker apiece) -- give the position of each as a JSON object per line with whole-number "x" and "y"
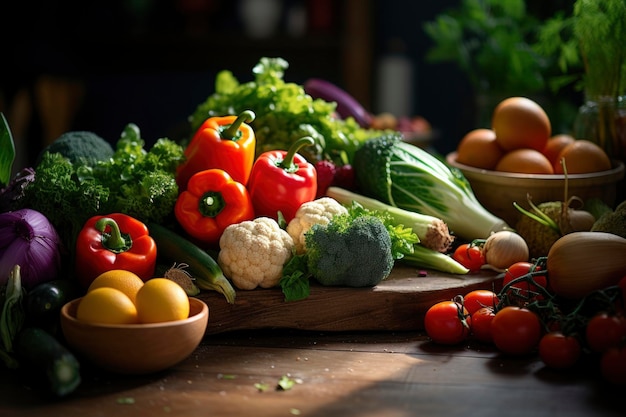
{"x": 622, "y": 285}
{"x": 516, "y": 330}
{"x": 613, "y": 365}
{"x": 481, "y": 324}
{"x": 526, "y": 288}
{"x": 477, "y": 299}
{"x": 559, "y": 351}
{"x": 604, "y": 331}
{"x": 447, "y": 322}
{"x": 470, "y": 256}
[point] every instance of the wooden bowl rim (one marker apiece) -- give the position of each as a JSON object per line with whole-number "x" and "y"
{"x": 194, "y": 304}
{"x": 616, "y": 173}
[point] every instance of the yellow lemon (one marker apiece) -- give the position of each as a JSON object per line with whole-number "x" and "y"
{"x": 160, "y": 299}
{"x": 125, "y": 281}
{"x": 106, "y": 306}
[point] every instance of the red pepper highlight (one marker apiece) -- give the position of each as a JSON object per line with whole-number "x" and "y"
{"x": 281, "y": 181}
{"x": 115, "y": 241}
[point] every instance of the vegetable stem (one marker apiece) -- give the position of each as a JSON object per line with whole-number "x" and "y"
{"x": 232, "y": 132}
{"x": 287, "y": 162}
{"x": 115, "y": 241}
{"x": 428, "y": 258}
{"x": 432, "y": 232}
{"x": 11, "y": 317}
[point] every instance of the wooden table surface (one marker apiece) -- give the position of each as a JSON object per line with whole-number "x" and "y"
{"x": 337, "y": 374}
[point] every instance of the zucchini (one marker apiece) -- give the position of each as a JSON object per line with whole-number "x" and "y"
{"x": 43, "y": 303}
{"x": 46, "y": 356}
{"x": 205, "y": 270}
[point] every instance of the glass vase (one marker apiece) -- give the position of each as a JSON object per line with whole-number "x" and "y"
{"x": 603, "y": 120}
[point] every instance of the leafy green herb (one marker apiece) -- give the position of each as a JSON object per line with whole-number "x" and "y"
{"x": 590, "y": 43}
{"x": 134, "y": 181}
{"x": 284, "y": 113}
{"x": 262, "y": 386}
{"x": 7, "y": 151}
{"x": 484, "y": 36}
{"x": 126, "y": 400}
{"x": 285, "y": 383}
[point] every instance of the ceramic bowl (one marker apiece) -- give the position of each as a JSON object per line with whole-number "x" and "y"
{"x": 497, "y": 191}
{"x": 135, "y": 348}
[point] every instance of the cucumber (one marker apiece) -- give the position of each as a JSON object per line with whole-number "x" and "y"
{"x": 176, "y": 248}
{"x": 43, "y": 303}
{"x": 46, "y": 356}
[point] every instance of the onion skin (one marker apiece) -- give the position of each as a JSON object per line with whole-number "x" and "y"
{"x": 29, "y": 240}
{"x": 504, "y": 248}
{"x": 581, "y": 262}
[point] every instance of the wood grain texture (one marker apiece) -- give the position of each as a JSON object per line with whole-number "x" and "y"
{"x": 398, "y": 303}
{"x": 391, "y": 374}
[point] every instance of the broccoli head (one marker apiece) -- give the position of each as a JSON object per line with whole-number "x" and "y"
{"x": 612, "y": 221}
{"x": 354, "y": 252}
{"x": 80, "y": 146}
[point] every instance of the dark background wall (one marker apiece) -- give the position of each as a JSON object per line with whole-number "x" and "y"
{"x": 98, "y": 65}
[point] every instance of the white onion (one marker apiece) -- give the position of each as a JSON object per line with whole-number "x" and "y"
{"x": 503, "y": 249}
{"x": 29, "y": 240}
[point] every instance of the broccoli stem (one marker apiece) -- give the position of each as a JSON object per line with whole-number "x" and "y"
{"x": 432, "y": 232}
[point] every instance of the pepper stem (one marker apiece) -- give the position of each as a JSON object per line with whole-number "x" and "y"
{"x": 211, "y": 204}
{"x": 287, "y": 162}
{"x": 231, "y": 133}
{"x": 115, "y": 241}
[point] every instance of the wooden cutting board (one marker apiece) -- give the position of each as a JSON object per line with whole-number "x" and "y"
{"x": 399, "y": 303}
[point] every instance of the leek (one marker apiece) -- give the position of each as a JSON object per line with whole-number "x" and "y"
{"x": 432, "y": 232}
{"x": 406, "y": 176}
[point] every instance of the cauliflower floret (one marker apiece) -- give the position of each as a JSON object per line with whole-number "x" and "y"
{"x": 252, "y": 253}
{"x": 319, "y": 211}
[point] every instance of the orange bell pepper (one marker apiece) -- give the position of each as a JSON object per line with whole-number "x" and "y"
{"x": 213, "y": 201}
{"x": 225, "y": 143}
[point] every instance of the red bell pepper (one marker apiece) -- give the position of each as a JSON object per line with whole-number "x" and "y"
{"x": 281, "y": 181}
{"x": 221, "y": 142}
{"x": 115, "y": 241}
{"x": 213, "y": 201}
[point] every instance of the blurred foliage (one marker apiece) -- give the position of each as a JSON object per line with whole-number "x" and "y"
{"x": 588, "y": 46}
{"x": 491, "y": 42}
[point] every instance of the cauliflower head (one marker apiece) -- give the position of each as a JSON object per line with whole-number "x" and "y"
{"x": 319, "y": 211}
{"x": 252, "y": 253}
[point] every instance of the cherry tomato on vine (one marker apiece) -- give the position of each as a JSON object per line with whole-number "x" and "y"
{"x": 526, "y": 289}
{"x": 477, "y": 299}
{"x": 604, "y": 331}
{"x": 470, "y": 256}
{"x": 559, "y": 351}
{"x": 481, "y": 324}
{"x": 613, "y": 365}
{"x": 622, "y": 285}
{"x": 447, "y": 322}
{"x": 516, "y": 330}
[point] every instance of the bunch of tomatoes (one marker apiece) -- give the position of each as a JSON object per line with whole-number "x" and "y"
{"x": 525, "y": 318}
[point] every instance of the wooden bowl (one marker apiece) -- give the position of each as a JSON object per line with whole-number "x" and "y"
{"x": 135, "y": 348}
{"x": 497, "y": 191}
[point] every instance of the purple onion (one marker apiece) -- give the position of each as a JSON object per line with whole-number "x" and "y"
{"x": 29, "y": 240}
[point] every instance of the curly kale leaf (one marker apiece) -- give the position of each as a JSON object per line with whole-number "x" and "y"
{"x": 134, "y": 181}
{"x": 284, "y": 113}
{"x": 66, "y": 200}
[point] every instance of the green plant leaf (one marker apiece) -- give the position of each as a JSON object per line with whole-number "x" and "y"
{"x": 7, "y": 151}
